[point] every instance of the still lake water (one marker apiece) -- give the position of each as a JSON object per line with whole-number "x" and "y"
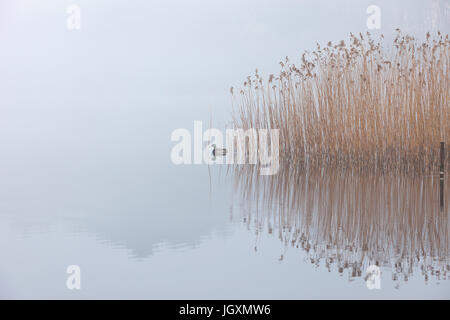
{"x": 86, "y": 177}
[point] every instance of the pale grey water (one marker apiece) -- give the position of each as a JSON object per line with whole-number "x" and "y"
{"x": 85, "y": 124}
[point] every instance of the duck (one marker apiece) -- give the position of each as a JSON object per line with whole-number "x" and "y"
{"x": 218, "y": 151}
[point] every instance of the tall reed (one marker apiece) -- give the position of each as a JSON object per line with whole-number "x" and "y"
{"x": 356, "y": 104}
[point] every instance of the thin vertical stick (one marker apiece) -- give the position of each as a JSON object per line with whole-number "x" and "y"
{"x": 441, "y": 176}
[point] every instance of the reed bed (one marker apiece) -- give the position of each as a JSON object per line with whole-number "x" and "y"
{"x": 346, "y": 221}
{"x": 356, "y": 104}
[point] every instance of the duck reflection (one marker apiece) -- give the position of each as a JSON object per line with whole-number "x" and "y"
{"x": 348, "y": 221}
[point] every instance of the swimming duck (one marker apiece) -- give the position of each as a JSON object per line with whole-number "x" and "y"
{"x": 218, "y": 151}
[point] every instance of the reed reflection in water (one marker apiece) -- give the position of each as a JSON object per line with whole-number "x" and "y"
{"x": 348, "y": 221}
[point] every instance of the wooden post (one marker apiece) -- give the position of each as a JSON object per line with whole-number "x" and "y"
{"x": 441, "y": 176}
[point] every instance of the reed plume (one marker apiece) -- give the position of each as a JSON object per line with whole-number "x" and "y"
{"x": 356, "y": 104}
